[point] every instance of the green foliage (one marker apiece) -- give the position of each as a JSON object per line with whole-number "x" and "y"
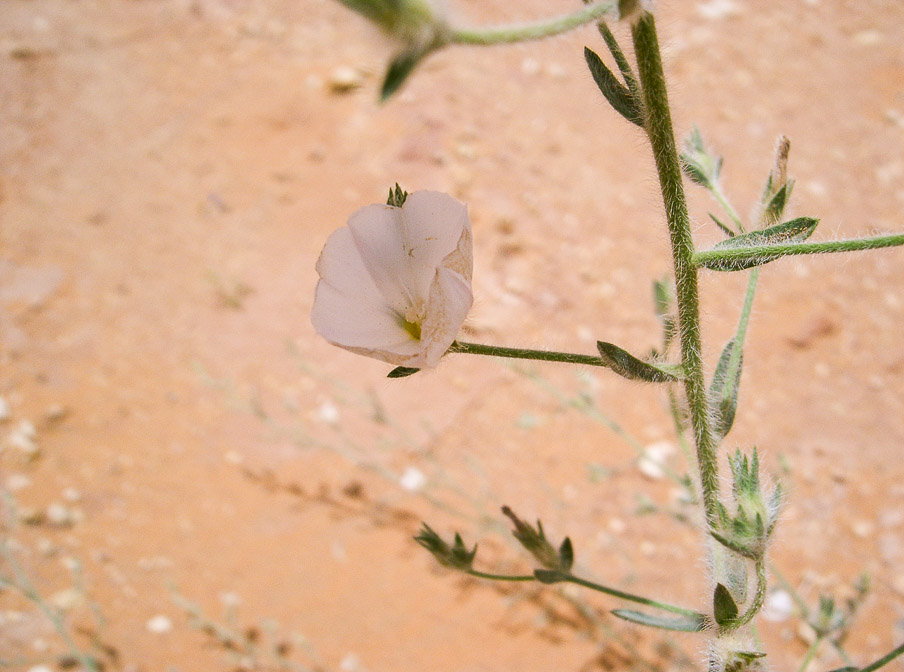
{"x": 628, "y": 366}
{"x": 723, "y": 390}
{"x": 725, "y": 610}
{"x": 794, "y": 231}
{"x": 618, "y": 95}
{"x": 698, "y": 163}
{"x": 680, "y": 623}
{"x": 402, "y": 372}
{"x": 456, "y": 556}
{"x": 396, "y": 196}
{"x": 535, "y": 542}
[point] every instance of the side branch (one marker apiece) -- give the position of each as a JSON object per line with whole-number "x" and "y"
{"x": 711, "y": 258}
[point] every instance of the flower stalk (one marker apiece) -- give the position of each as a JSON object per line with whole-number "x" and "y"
{"x": 658, "y": 124}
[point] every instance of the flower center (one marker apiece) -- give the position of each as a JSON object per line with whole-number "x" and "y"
{"x": 413, "y": 328}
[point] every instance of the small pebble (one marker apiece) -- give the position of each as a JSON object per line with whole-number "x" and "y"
{"x": 159, "y": 624}
{"x": 413, "y": 479}
{"x": 655, "y": 456}
{"x": 17, "y": 482}
{"x": 328, "y": 412}
{"x": 344, "y": 79}
{"x": 4, "y": 409}
{"x": 67, "y": 600}
{"x": 779, "y": 606}
{"x": 60, "y": 515}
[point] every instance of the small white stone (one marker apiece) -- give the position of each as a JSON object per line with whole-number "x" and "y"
{"x": 40, "y": 668}
{"x": 350, "y": 663}
{"x": 60, "y": 515}
{"x": 779, "y": 606}
{"x": 159, "y": 624}
{"x": 718, "y": 9}
{"x": 72, "y": 495}
{"x": 4, "y": 409}
{"x": 413, "y": 479}
{"x": 328, "y": 412}
{"x": 17, "y": 482}
{"x": 344, "y": 79}
{"x": 68, "y": 599}
{"x": 655, "y": 456}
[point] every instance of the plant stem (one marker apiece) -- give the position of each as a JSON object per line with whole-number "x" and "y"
{"x": 501, "y": 577}
{"x": 571, "y": 578}
{"x": 884, "y": 660}
{"x": 761, "y": 585}
{"x": 658, "y": 125}
{"x": 524, "y": 353}
{"x": 811, "y": 652}
{"x": 630, "y": 597}
{"x": 739, "y": 254}
{"x": 529, "y": 31}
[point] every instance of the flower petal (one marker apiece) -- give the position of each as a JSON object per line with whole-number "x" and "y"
{"x": 437, "y": 226}
{"x": 379, "y": 234}
{"x": 450, "y": 301}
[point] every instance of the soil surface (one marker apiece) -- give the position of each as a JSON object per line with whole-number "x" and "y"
{"x": 195, "y": 481}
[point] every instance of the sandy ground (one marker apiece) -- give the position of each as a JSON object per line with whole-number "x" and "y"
{"x": 201, "y": 483}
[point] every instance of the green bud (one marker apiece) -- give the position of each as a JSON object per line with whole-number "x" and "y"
{"x": 698, "y": 164}
{"x": 456, "y": 556}
{"x": 534, "y": 541}
{"x": 747, "y": 530}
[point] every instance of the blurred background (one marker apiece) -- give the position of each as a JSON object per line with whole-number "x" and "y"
{"x": 193, "y": 480}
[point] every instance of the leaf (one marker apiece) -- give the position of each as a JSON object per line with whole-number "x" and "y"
{"x": 632, "y": 368}
{"x": 728, "y": 231}
{"x": 549, "y": 576}
{"x": 725, "y": 610}
{"x": 402, "y": 372}
{"x": 402, "y": 66}
{"x": 566, "y": 555}
{"x": 723, "y": 391}
{"x": 793, "y": 231}
{"x": 776, "y": 205}
{"x": 697, "y": 163}
{"x": 619, "y": 97}
{"x": 687, "y": 623}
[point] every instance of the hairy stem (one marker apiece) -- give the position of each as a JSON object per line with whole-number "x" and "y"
{"x": 529, "y": 31}
{"x": 524, "y": 353}
{"x": 739, "y": 254}
{"x": 658, "y": 125}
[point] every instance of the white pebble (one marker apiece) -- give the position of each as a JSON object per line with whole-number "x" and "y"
{"x": 344, "y": 79}
{"x": 4, "y": 410}
{"x": 328, "y": 413}
{"x": 159, "y": 624}
{"x": 779, "y": 606}
{"x": 413, "y": 479}
{"x": 17, "y": 482}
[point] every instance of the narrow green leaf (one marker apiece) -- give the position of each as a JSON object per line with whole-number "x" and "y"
{"x": 628, "y": 366}
{"x": 566, "y": 555}
{"x": 725, "y": 610}
{"x": 697, "y": 163}
{"x": 777, "y": 202}
{"x": 615, "y": 92}
{"x": 723, "y": 390}
{"x": 793, "y": 231}
{"x": 401, "y": 372}
{"x": 621, "y": 60}
{"x": 728, "y": 231}
{"x": 680, "y": 624}
{"x": 849, "y": 668}
{"x": 402, "y": 66}
{"x": 549, "y": 576}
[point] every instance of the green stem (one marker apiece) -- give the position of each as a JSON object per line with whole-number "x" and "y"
{"x": 823, "y": 247}
{"x": 758, "y": 599}
{"x": 529, "y": 31}
{"x": 501, "y": 577}
{"x": 884, "y": 660}
{"x": 24, "y": 585}
{"x": 811, "y": 652}
{"x": 570, "y": 578}
{"x": 662, "y": 138}
{"x": 524, "y": 353}
{"x": 734, "y": 363}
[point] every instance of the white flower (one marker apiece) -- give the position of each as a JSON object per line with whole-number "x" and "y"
{"x": 395, "y": 284}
